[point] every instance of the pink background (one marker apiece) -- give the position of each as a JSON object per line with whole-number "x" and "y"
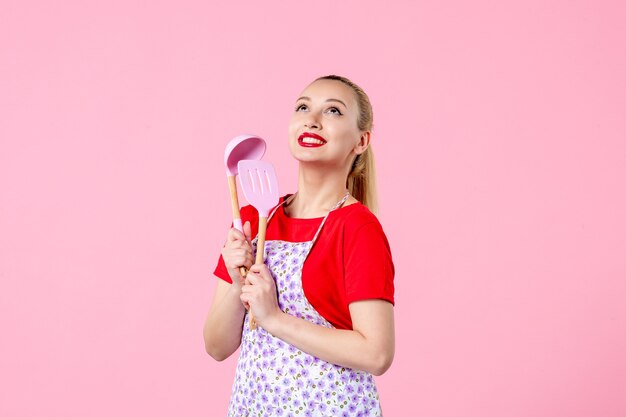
{"x": 500, "y": 142}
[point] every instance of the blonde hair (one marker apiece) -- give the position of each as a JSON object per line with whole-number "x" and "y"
{"x": 361, "y": 181}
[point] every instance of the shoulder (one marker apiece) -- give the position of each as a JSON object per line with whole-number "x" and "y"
{"x": 248, "y": 212}
{"x": 361, "y": 228}
{"x": 357, "y": 216}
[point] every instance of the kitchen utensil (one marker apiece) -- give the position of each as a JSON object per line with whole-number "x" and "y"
{"x": 249, "y": 147}
{"x": 260, "y": 187}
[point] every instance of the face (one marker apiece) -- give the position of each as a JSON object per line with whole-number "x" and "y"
{"x": 323, "y": 125}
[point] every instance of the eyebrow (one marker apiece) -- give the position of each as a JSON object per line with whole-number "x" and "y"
{"x": 330, "y": 99}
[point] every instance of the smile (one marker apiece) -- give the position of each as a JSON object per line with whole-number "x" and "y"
{"x": 311, "y": 140}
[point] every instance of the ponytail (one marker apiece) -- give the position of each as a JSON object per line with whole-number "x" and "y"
{"x": 361, "y": 182}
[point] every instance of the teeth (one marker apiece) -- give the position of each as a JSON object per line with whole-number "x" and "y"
{"x": 308, "y": 139}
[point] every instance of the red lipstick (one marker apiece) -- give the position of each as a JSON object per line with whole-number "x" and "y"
{"x": 311, "y": 144}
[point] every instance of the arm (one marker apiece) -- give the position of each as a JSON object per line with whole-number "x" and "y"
{"x": 223, "y": 325}
{"x": 369, "y": 346}
{"x": 224, "y": 322}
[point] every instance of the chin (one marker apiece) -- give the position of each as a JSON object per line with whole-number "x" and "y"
{"x": 304, "y": 159}
{"x": 299, "y": 153}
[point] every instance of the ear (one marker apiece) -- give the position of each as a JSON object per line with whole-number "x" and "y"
{"x": 363, "y": 143}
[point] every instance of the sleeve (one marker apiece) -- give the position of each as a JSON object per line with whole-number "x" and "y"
{"x": 248, "y": 213}
{"x": 221, "y": 271}
{"x": 369, "y": 269}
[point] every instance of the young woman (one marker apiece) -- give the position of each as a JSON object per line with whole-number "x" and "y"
{"x": 323, "y": 300}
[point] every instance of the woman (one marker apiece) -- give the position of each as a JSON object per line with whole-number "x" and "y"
{"x": 325, "y": 326}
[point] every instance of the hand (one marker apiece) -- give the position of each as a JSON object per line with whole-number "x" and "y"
{"x": 259, "y": 294}
{"x": 237, "y": 252}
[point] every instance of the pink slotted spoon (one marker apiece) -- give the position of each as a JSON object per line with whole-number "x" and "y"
{"x": 260, "y": 187}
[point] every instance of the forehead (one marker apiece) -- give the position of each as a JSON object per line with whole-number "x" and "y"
{"x": 325, "y": 89}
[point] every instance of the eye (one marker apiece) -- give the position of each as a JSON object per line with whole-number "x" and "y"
{"x": 298, "y": 107}
{"x": 336, "y": 110}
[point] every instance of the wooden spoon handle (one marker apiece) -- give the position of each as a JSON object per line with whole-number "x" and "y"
{"x": 234, "y": 204}
{"x": 260, "y": 252}
{"x": 260, "y": 245}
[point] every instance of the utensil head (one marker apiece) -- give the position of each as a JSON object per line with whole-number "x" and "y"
{"x": 259, "y": 185}
{"x": 242, "y": 147}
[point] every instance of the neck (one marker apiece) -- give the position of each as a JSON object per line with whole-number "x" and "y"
{"x": 319, "y": 190}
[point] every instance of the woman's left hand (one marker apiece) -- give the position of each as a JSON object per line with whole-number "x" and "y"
{"x": 259, "y": 293}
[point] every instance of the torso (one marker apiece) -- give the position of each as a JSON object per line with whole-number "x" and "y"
{"x": 324, "y": 270}
{"x": 274, "y": 378}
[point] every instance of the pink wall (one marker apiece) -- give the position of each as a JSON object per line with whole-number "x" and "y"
{"x": 500, "y": 142}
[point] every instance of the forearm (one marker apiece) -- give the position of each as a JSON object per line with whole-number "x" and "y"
{"x": 223, "y": 325}
{"x": 348, "y": 348}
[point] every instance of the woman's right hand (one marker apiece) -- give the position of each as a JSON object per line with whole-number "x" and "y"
{"x": 237, "y": 252}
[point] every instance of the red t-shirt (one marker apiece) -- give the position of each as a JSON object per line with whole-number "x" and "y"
{"x": 350, "y": 261}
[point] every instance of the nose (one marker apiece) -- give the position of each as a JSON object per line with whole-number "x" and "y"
{"x": 312, "y": 121}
